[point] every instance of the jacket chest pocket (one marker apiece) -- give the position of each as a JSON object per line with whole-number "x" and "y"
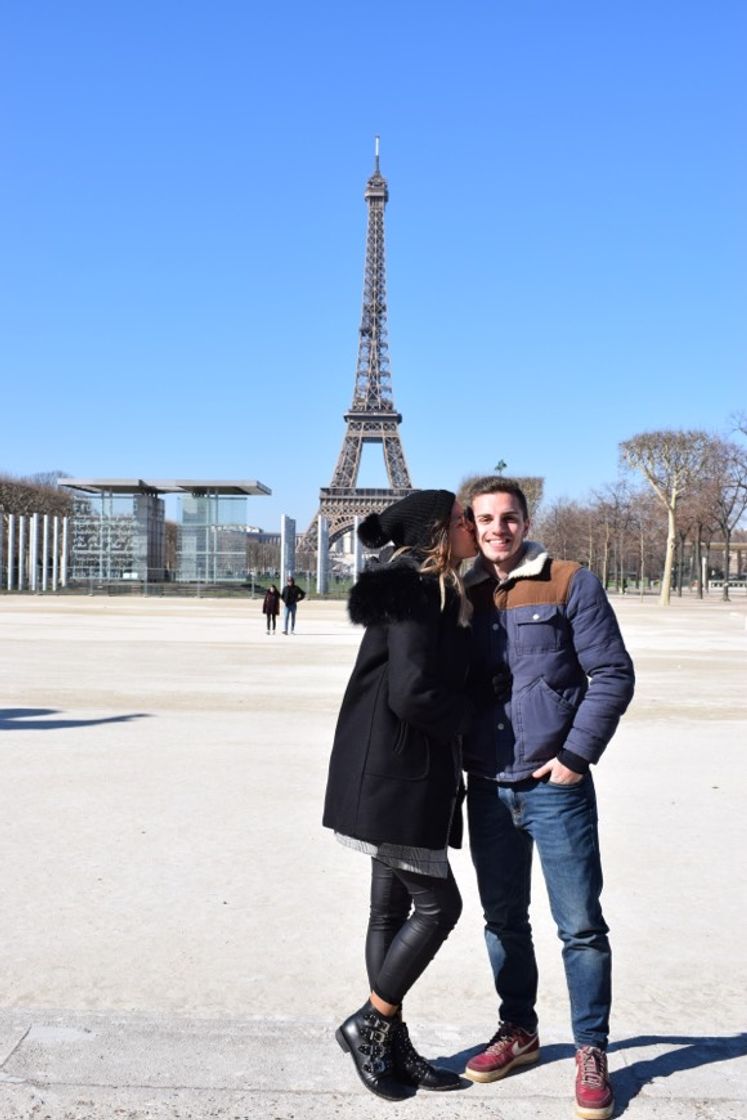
{"x": 540, "y": 629}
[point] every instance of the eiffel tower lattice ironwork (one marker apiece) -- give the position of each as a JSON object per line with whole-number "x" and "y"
{"x": 372, "y": 417}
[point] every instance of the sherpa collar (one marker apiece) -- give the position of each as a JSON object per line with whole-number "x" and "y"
{"x": 532, "y": 562}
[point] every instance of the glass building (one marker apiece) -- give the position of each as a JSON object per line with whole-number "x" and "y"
{"x": 117, "y": 536}
{"x": 118, "y": 530}
{"x": 211, "y": 540}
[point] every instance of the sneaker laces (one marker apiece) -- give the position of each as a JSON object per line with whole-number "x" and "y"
{"x": 505, "y": 1033}
{"x": 593, "y": 1067}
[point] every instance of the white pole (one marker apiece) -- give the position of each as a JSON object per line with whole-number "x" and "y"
{"x": 2, "y": 527}
{"x": 63, "y": 574}
{"x": 322, "y": 555}
{"x": 55, "y": 550}
{"x": 22, "y": 552}
{"x": 357, "y": 549}
{"x": 11, "y": 548}
{"x": 45, "y": 550}
{"x": 34, "y": 551}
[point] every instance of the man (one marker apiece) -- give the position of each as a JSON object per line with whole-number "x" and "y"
{"x": 291, "y": 595}
{"x": 551, "y": 679}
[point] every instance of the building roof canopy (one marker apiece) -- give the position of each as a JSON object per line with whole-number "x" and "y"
{"x": 161, "y": 486}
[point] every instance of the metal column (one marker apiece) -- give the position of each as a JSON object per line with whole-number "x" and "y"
{"x": 45, "y": 551}
{"x": 55, "y": 551}
{"x": 22, "y": 552}
{"x": 33, "y": 551}
{"x": 11, "y": 548}
{"x": 322, "y": 555}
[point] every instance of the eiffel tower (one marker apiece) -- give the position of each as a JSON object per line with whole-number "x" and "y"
{"x": 372, "y": 417}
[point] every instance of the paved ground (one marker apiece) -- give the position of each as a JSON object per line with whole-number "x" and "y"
{"x": 180, "y": 936}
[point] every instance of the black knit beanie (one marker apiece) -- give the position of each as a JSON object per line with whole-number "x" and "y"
{"x": 409, "y": 522}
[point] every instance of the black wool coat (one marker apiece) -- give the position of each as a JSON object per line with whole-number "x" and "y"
{"x": 395, "y": 768}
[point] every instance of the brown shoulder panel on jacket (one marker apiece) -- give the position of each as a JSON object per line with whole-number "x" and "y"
{"x": 552, "y": 585}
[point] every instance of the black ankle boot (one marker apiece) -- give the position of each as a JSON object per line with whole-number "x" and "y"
{"x": 367, "y": 1036}
{"x": 412, "y": 1068}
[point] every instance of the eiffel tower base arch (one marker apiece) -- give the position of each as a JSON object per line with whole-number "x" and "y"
{"x": 342, "y": 505}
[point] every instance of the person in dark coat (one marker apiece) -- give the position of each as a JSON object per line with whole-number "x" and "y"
{"x": 394, "y": 782}
{"x": 291, "y": 595}
{"x": 271, "y": 606}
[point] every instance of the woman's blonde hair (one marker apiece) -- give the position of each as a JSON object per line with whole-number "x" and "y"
{"x": 438, "y": 561}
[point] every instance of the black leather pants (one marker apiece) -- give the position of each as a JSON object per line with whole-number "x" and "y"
{"x": 400, "y": 943}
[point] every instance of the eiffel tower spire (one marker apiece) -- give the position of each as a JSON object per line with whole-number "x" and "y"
{"x": 372, "y": 417}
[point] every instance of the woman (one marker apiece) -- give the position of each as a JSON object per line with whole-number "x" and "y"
{"x": 395, "y": 770}
{"x": 271, "y": 606}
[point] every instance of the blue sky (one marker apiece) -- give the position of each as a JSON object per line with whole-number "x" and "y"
{"x": 184, "y": 224}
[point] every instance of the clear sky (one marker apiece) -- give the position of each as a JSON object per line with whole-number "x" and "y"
{"x": 183, "y": 234}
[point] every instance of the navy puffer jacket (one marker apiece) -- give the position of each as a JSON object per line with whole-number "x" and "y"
{"x": 550, "y": 671}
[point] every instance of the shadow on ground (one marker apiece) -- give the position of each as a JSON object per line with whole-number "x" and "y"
{"x": 687, "y": 1053}
{"x": 30, "y": 719}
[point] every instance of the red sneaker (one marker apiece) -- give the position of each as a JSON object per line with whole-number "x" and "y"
{"x": 509, "y": 1047}
{"x": 594, "y": 1099}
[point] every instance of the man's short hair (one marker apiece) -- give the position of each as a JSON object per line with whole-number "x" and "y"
{"x": 496, "y": 484}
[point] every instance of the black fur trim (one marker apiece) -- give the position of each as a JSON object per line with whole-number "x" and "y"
{"x": 394, "y": 592}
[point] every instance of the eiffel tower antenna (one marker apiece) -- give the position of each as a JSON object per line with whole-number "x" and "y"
{"x": 372, "y": 417}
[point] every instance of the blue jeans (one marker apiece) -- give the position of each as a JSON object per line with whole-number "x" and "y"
{"x": 505, "y": 823}
{"x": 289, "y": 615}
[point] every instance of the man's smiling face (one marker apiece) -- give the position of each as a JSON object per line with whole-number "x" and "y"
{"x": 501, "y": 529}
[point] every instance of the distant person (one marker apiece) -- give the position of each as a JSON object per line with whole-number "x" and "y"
{"x": 552, "y": 678}
{"x": 395, "y": 772}
{"x": 291, "y": 595}
{"x": 271, "y": 607}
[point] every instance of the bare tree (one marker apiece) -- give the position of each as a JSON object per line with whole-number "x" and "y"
{"x": 696, "y": 520}
{"x": 532, "y": 485}
{"x": 616, "y": 527}
{"x": 45, "y": 478}
{"x": 562, "y": 529}
{"x": 263, "y": 556}
{"x": 670, "y": 461}
{"x": 612, "y": 505}
{"x": 21, "y": 496}
{"x": 171, "y": 543}
{"x": 727, "y": 471}
{"x": 645, "y": 523}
